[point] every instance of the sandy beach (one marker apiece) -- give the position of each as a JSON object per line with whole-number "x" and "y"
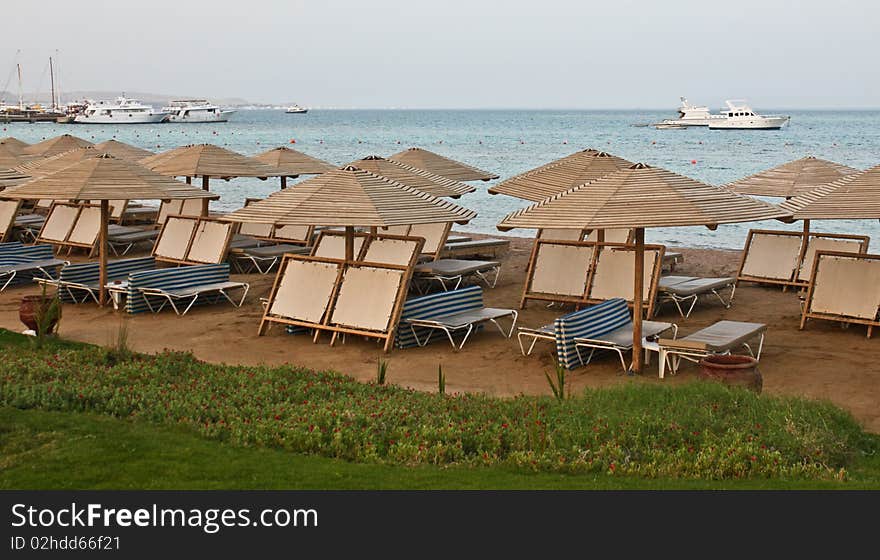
{"x": 824, "y": 361}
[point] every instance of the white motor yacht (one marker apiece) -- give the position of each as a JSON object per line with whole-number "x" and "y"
{"x": 688, "y": 115}
{"x": 196, "y": 110}
{"x": 121, "y": 111}
{"x": 739, "y": 116}
{"x": 296, "y": 109}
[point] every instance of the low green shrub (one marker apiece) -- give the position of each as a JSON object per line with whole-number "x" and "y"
{"x": 699, "y": 430}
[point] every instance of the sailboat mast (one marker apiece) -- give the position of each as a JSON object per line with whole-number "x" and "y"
{"x": 20, "y": 94}
{"x": 52, "y": 81}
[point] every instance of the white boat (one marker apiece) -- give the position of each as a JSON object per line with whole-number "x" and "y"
{"x": 739, "y": 116}
{"x": 688, "y": 115}
{"x": 296, "y": 109}
{"x": 120, "y": 111}
{"x": 196, "y": 110}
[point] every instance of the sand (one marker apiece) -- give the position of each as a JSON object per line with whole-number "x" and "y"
{"x": 824, "y": 361}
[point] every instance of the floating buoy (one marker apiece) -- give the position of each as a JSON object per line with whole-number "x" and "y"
{"x": 693, "y": 162}
{"x": 398, "y": 141}
{"x": 521, "y": 141}
{"x": 481, "y": 141}
{"x": 565, "y": 141}
{"x": 293, "y": 140}
{"x": 320, "y": 141}
{"x": 158, "y": 145}
{"x": 440, "y": 142}
{"x": 653, "y": 142}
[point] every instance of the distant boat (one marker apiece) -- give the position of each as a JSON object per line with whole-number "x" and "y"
{"x": 196, "y": 110}
{"x": 739, "y": 116}
{"x": 296, "y": 109}
{"x": 688, "y": 115}
{"x": 121, "y": 111}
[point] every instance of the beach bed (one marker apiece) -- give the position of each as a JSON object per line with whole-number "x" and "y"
{"x": 722, "y": 337}
{"x": 683, "y": 289}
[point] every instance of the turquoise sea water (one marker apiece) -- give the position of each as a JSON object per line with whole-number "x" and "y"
{"x": 510, "y": 142}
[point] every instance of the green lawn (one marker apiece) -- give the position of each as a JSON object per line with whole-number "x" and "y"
{"x": 46, "y": 444}
{"x": 54, "y": 450}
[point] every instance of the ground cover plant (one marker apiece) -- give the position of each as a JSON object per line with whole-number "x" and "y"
{"x": 697, "y": 431}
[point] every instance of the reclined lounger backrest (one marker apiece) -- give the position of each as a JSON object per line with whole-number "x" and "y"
{"x": 592, "y": 322}
{"x": 435, "y": 305}
{"x": 89, "y": 273}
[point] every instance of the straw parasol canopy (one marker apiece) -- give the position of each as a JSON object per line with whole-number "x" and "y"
{"x": 293, "y": 162}
{"x": 855, "y": 196}
{"x": 105, "y": 177}
{"x": 640, "y": 197}
{"x": 351, "y": 197}
{"x": 44, "y": 166}
{"x": 443, "y": 166}
{"x": 56, "y": 145}
{"x": 9, "y": 158}
{"x": 413, "y": 177}
{"x": 14, "y": 144}
{"x": 560, "y": 175}
{"x": 792, "y": 178}
{"x": 206, "y": 161}
{"x": 123, "y": 150}
{"x": 10, "y": 178}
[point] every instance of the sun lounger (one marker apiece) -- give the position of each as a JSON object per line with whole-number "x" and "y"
{"x": 264, "y": 258}
{"x": 453, "y": 312}
{"x": 80, "y": 281}
{"x": 474, "y": 248}
{"x": 721, "y": 338}
{"x": 456, "y": 270}
{"x": 434, "y": 235}
{"x": 458, "y": 238}
{"x": 122, "y": 243}
{"x": 8, "y": 212}
{"x": 139, "y": 214}
{"x": 844, "y": 287}
{"x": 182, "y": 288}
{"x": 21, "y": 263}
{"x": 671, "y": 260}
{"x": 681, "y": 289}
{"x": 605, "y": 326}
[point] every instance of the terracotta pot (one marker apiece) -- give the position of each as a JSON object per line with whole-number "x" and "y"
{"x": 30, "y": 308}
{"x": 732, "y": 369}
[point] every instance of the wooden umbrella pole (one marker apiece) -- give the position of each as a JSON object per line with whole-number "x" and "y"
{"x": 638, "y": 290}
{"x": 283, "y": 182}
{"x": 349, "y": 243}
{"x": 102, "y": 252}
{"x": 189, "y": 180}
{"x": 205, "y": 203}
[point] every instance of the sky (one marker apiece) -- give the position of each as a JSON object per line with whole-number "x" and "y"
{"x": 549, "y": 54}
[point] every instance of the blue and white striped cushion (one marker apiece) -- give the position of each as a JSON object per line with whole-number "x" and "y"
{"x": 171, "y": 279}
{"x": 89, "y": 273}
{"x": 435, "y": 305}
{"x": 592, "y": 322}
{"x": 16, "y": 253}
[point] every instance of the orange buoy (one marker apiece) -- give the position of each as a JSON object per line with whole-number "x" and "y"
{"x": 693, "y": 162}
{"x": 653, "y": 142}
{"x": 293, "y": 141}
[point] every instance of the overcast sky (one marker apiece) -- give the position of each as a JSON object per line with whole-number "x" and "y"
{"x": 458, "y": 53}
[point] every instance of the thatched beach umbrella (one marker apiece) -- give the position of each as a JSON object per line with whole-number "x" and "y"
{"x": 56, "y": 145}
{"x": 105, "y": 178}
{"x": 855, "y": 196}
{"x": 9, "y": 158}
{"x": 122, "y": 150}
{"x": 46, "y": 165}
{"x": 13, "y": 144}
{"x": 413, "y": 177}
{"x": 792, "y": 179}
{"x": 350, "y": 197}
{"x": 641, "y": 197}
{"x": 443, "y": 166}
{"x": 206, "y": 161}
{"x": 10, "y": 178}
{"x": 293, "y": 163}
{"x": 558, "y": 176}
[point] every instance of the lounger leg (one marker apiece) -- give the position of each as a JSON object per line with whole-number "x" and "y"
{"x": 662, "y": 366}
{"x": 193, "y": 302}
{"x": 11, "y": 277}
{"x": 732, "y": 293}
{"x": 466, "y": 335}
{"x": 622, "y": 360}
{"x": 761, "y": 347}
{"x": 693, "y": 299}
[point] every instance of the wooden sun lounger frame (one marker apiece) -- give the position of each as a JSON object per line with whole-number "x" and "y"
{"x": 344, "y": 266}
{"x": 198, "y": 220}
{"x": 584, "y": 299}
{"x": 66, "y": 242}
{"x": 793, "y": 280}
{"x": 6, "y": 229}
{"x": 807, "y": 314}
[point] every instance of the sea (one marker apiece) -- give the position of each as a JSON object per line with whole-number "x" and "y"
{"x": 508, "y": 142}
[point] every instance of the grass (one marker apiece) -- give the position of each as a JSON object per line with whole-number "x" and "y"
{"x": 67, "y": 450}
{"x": 172, "y": 422}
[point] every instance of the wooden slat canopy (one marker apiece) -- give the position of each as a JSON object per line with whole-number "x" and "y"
{"x": 15, "y": 145}
{"x": 122, "y": 150}
{"x": 350, "y": 197}
{"x": 413, "y": 177}
{"x": 56, "y": 145}
{"x": 560, "y": 175}
{"x": 207, "y": 160}
{"x": 792, "y": 178}
{"x": 293, "y": 162}
{"x": 641, "y": 196}
{"x": 443, "y": 166}
{"x": 47, "y": 165}
{"x": 855, "y": 196}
